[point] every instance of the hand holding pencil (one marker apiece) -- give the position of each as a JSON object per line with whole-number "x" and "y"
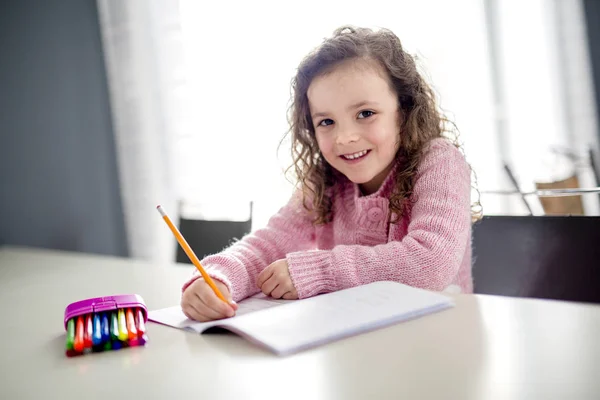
{"x": 200, "y": 303}
{"x": 205, "y": 299}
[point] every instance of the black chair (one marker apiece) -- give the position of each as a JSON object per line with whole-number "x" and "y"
{"x": 207, "y": 237}
{"x": 550, "y": 257}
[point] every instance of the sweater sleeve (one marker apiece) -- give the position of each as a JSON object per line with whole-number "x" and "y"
{"x": 428, "y": 256}
{"x": 238, "y": 266}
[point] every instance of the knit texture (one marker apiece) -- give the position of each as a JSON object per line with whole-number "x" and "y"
{"x": 429, "y": 247}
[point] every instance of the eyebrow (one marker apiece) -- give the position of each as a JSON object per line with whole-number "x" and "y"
{"x": 351, "y": 107}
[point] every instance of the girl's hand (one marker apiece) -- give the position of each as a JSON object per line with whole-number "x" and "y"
{"x": 275, "y": 281}
{"x": 200, "y": 303}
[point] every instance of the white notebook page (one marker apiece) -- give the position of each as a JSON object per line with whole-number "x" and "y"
{"x": 301, "y": 324}
{"x": 323, "y": 319}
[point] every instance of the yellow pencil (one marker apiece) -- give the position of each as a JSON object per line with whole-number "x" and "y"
{"x": 190, "y": 253}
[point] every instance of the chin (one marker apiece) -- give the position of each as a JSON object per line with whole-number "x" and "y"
{"x": 359, "y": 179}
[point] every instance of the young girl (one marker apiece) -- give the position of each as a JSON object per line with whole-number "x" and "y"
{"x": 383, "y": 196}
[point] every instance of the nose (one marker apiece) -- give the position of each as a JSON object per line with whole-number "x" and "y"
{"x": 346, "y": 134}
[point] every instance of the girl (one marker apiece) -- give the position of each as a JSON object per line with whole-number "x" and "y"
{"x": 383, "y": 195}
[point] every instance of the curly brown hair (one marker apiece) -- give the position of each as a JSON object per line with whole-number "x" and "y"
{"x": 421, "y": 119}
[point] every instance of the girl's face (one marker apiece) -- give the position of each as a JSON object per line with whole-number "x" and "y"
{"x": 357, "y": 122}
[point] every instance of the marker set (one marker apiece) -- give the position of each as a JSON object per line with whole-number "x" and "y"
{"x": 105, "y": 323}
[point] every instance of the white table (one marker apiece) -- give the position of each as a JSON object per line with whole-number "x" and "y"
{"x": 485, "y": 348}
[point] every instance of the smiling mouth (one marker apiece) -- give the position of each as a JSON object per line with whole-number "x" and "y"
{"x": 355, "y": 156}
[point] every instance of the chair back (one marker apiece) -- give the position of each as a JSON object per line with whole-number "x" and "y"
{"x": 210, "y": 236}
{"x": 551, "y": 257}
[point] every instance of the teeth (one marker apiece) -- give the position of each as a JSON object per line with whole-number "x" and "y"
{"x": 355, "y": 155}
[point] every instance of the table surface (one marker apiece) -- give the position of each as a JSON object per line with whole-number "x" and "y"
{"x": 487, "y": 347}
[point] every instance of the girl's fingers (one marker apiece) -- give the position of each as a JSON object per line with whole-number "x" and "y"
{"x": 213, "y": 306}
{"x": 291, "y": 295}
{"x": 264, "y": 276}
{"x": 200, "y": 303}
{"x": 279, "y": 291}
{"x": 201, "y": 318}
{"x": 191, "y": 311}
{"x": 268, "y": 286}
{"x": 184, "y": 310}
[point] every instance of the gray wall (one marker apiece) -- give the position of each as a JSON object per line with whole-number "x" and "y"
{"x": 58, "y": 174}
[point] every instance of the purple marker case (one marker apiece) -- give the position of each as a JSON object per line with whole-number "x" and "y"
{"x": 108, "y": 303}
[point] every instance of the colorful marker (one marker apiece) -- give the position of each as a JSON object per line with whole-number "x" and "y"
{"x": 114, "y": 326}
{"x": 131, "y": 324}
{"x": 70, "y": 333}
{"x": 89, "y": 328}
{"x": 123, "y": 335}
{"x": 114, "y": 331}
{"x": 105, "y": 328}
{"x": 141, "y": 326}
{"x": 79, "y": 333}
{"x": 97, "y": 334}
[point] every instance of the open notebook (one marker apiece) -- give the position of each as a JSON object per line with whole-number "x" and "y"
{"x": 289, "y": 326}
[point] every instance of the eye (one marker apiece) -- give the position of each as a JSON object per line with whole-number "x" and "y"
{"x": 326, "y": 122}
{"x": 365, "y": 114}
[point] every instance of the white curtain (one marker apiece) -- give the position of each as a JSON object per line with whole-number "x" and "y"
{"x": 544, "y": 92}
{"x": 200, "y": 92}
{"x": 143, "y": 53}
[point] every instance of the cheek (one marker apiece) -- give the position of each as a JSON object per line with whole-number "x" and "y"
{"x": 383, "y": 136}
{"x": 325, "y": 144}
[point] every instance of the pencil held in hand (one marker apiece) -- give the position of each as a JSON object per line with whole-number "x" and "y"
{"x": 190, "y": 253}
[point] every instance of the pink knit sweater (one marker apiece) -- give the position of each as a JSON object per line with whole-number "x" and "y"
{"x": 430, "y": 247}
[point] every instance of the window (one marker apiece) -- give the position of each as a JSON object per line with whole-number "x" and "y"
{"x": 241, "y": 57}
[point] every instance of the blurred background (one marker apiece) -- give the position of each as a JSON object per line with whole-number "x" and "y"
{"x": 110, "y": 107}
